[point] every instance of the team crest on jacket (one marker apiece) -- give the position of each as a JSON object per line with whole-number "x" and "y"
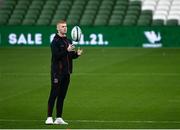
{"x": 55, "y": 80}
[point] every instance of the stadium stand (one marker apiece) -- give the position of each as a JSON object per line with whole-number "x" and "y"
{"x": 91, "y": 12}
{"x": 165, "y": 12}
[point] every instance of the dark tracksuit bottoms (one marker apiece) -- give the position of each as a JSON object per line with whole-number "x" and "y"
{"x": 58, "y": 90}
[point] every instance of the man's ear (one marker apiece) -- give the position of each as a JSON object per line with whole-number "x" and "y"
{"x": 57, "y": 28}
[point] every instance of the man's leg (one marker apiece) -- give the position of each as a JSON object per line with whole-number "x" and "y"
{"x": 52, "y": 98}
{"x": 64, "y": 83}
{"x": 53, "y": 95}
{"x": 51, "y": 101}
{"x": 55, "y": 82}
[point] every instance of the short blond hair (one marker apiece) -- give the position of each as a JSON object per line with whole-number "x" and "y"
{"x": 61, "y": 21}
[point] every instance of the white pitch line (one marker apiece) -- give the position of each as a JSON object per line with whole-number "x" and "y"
{"x": 98, "y": 121}
{"x": 130, "y": 74}
{"x": 174, "y": 100}
{"x": 114, "y": 121}
{"x": 86, "y": 73}
{"x": 18, "y": 94}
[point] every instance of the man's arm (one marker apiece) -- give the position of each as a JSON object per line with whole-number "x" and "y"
{"x": 76, "y": 54}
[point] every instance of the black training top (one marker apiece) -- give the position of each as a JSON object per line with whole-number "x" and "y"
{"x": 61, "y": 61}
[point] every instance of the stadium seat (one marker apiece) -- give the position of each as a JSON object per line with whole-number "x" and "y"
{"x": 5, "y": 12}
{"x": 171, "y": 18}
{"x": 14, "y": 21}
{"x": 161, "y": 12}
{"x": 133, "y": 12}
{"x": 3, "y": 21}
{"x": 38, "y": 2}
{"x": 6, "y": 7}
{"x": 144, "y": 22}
{"x": 115, "y": 22}
{"x": 120, "y": 8}
{"x": 100, "y": 21}
{"x": 149, "y": 7}
{"x": 131, "y": 17}
{"x": 35, "y": 7}
{"x": 122, "y": 2}
{"x": 86, "y": 22}
{"x": 135, "y": 3}
{"x": 52, "y": 2}
{"x": 129, "y": 22}
{"x": 150, "y": 2}
{"x": 49, "y": 7}
{"x": 172, "y": 22}
{"x": 19, "y": 12}
{"x": 60, "y": 14}
{"x": 43, "y": 21}
{"x": 160, "y": 17}
{"x": 72, "y": 21}
{"x": 147, "y": 12}
{"x": 158, "y": 22}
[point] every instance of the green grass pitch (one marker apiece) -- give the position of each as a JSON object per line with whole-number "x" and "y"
{"x": 110, "y": 88}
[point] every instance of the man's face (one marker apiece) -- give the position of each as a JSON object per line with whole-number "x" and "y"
{"x": 62, "y": 28}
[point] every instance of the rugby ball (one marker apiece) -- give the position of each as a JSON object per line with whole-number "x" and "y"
{"x": 76, "y": 33}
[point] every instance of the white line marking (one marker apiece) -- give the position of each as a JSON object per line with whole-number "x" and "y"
{"x": 103, "y": 121}
{"x": 93, "y": 74}
{"x": 18, "y": 94}
{"x": 98, "y": 121}
{"x": 174, "y": 100}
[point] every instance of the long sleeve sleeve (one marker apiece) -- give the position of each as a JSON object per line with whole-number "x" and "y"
{"x": 74, "y": 54}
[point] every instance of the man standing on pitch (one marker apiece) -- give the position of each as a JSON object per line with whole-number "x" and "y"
{"x": 63, "y": 52}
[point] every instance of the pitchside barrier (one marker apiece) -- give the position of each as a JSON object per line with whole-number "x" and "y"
{"x": 117, "y": 36}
